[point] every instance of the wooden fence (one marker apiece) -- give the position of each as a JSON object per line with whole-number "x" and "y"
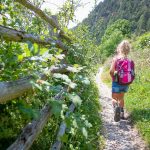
{"x": 13, "y": 89}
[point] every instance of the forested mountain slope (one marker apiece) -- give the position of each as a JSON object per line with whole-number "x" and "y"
{"x": 108, "y": 11}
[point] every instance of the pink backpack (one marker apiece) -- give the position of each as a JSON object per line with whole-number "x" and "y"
{"x": 125, "y": 71}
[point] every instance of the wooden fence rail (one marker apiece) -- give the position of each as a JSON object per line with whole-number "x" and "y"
{"x": 14, "y": 89}
{"x": 32, "y": 130}
{"x": 57, "y": 145}
{"x": 9, "y": 34}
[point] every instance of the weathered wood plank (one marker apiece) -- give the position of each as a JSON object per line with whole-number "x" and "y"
{"x": 57, "y": 145}
{"x": 10, "y": 34}
{"x": 13, "y": 89}
{"x": 33, "y": 129}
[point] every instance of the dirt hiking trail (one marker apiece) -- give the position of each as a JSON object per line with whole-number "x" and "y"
{"x": 118, "y": 135}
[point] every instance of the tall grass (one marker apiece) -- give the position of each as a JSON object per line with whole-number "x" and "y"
{"x": 138, "y": 98}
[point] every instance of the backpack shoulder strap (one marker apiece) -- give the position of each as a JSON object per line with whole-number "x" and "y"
{"x": 119, "y": 67}
{"x": 116, "y": 62}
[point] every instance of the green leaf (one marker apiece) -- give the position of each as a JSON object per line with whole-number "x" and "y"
{"x": 36, "y": 47}
{"x": 75, "y": 99}
{"x": 36, "y": 85}
{"x": 65, "y": 29}
{"x": 60, "y": 56}
{"x": 72, "y": 131}
{"x": 72, "y": 85}
{"x": 56, "y": 107}
{"x": 89, "y": 125}
{"x": 86, "y": 81}
{"x": 42, "y": 37}
{"x": 20, "y": 57}
{"x": 75, "y": 68}
{"x": 55, "y": 89}
{"x": 29, "y": 44}
{"x": 31, "y": 47}
{"x": 64, "y": 138}
{"x": 68, "y": 122}
{"x": 46, "y": 83}
{"x": 66, "y": 79}
{"x": 26, "y": 51}
{"x": 55, "y": 30}
{"x": 75, "y": 123}
{"x": 84, "y": 132}
{"x": 28, "y": 111}
{"x": 62, "y": 76}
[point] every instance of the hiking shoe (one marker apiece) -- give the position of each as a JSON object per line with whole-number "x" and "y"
{"x": 115, "y": 105}
{"x": 117, "y": 114}
{"x": 122, "y": 116}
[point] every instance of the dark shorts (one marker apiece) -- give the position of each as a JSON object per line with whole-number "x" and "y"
{"x": 117, "y": 88}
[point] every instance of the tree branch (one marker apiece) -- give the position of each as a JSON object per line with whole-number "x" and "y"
{"x": 50, "y": 20}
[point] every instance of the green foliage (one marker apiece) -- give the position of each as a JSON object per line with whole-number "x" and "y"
{"x": 121, "y": 25}
{"x": 66, "y": 13}
{"x": 108, "y": 47}
{"x": 18, "y": 60}
{"x": 137, "y": 101}
{"x": 85, "y": 51}
{"x": 88, "y": 124}
{"x": 75, "y": 99}
{"x": 109, "y": 11}
{"x": 12, "y": 119}
{"x": 142, "y": 42}
{"x": 113, "y": 36}
{"x": 105, "y": 76}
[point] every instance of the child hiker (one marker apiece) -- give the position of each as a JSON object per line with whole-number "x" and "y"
{"x": 122, "y": 73}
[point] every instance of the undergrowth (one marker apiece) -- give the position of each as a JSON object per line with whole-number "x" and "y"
{"x": 138, "y": 97}
{"x": 77, "y": 136}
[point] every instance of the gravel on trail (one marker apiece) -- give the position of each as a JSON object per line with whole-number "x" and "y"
{"x": 118, "y": 135}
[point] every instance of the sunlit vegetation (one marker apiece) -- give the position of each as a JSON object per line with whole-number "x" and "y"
{"x": 30, "y": 52}
{"x": 137, "y": 100}
{"x": 48, "y": 96}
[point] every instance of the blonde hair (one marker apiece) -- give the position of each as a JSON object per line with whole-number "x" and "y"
{"x": 124, "y": 48}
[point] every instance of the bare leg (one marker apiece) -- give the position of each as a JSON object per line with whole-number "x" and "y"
{"x": 118, "y": 97}
{"x": 121, "y": 99}
{"x": 115, "y": 98}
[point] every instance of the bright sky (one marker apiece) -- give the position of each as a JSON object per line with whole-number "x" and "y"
{"x": 81, "y": 13}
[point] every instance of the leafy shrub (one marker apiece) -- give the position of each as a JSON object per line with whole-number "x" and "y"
{"x": 142, "y": 41}
{"x": 113, "y": 36}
